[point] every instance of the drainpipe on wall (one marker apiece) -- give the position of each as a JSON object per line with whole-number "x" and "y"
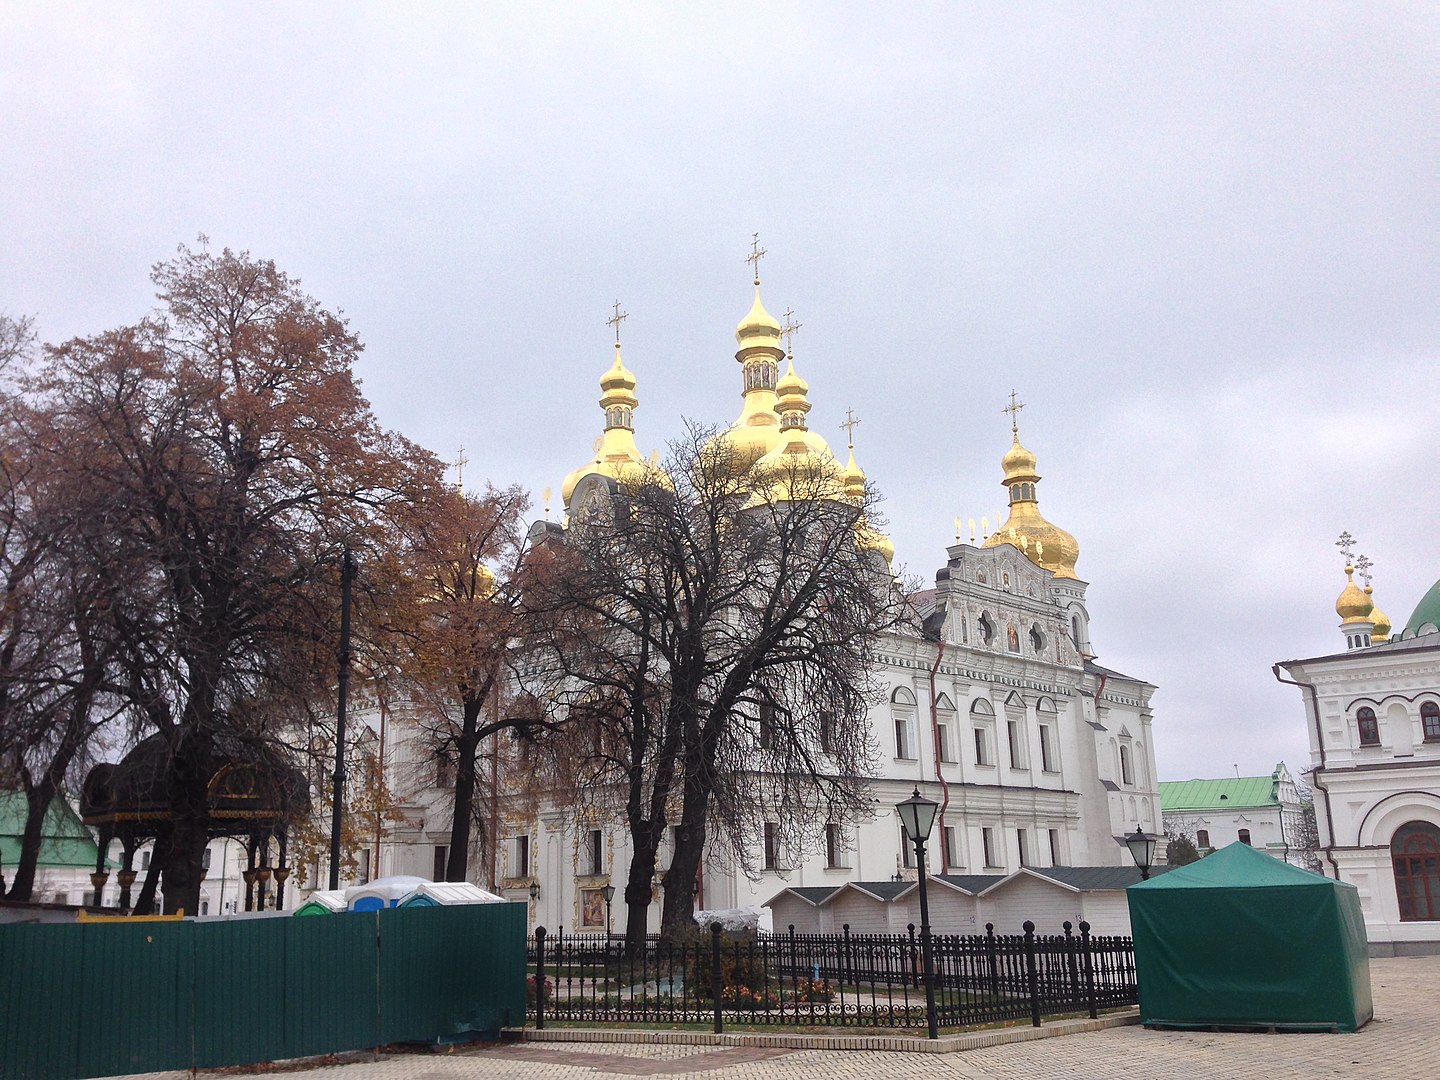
{"x": 939, "y": 775}
{"x": 1309, "y": 688}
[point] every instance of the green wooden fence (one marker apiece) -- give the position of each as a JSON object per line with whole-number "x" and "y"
{"x": 100, "y": 999}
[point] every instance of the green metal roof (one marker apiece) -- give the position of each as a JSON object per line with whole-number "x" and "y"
{"x": 1427, "y": 611}
{"x": 1217, "y": 794}
{"x": 64, "y": 841}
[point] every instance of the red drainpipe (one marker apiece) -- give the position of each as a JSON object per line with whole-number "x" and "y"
{"x": 935, "y": 733}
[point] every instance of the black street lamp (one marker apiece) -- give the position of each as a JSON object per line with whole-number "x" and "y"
{"x": 534, "y": 890}
{"x": 1142, "y": 850}
{"x": 609, "y": 893}
{"x": 917, "y": 814}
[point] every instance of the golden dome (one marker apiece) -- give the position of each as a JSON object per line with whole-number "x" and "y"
{"x": 616, "y": 455}
{"x": 872, "y": 539}
{"x": 1018, "y": 463}
{"x": 792, "y": 390}
{"x": 757, "y": 323}
{"x": 801, "y": 452}
{"x": 756, "y": 432}
{"x": 1352, "y": 605}
{"x": 854, "y": 479}
{"x": 1045, "y": 544}
{"x": 1381, "y": 632}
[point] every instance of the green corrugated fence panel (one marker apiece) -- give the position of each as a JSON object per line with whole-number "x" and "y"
{"x": 332, "y": 1000}
{"x": 39, "y": 989}
{"x": 134, "y": 1012}
{"x": 239, "y": 992}
{"x": 451, "y": 972}
{"x": 111, "y": 998}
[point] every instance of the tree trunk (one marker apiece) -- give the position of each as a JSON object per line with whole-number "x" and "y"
{"x": 38, "y": 798}
{"x": 467, "y": 747}
{"x": 679, "y": 912}
{"x": 189, "y": 833}
{"x": 145, "y": 902}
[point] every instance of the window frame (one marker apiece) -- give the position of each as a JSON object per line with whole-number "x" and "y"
{"x": 1368, "y": 725}
{"x": 987, "y": 843}
{"x": 1418, "y": 856}
{"x": 1430, "y": 721}
{"x": 771, "y": 841}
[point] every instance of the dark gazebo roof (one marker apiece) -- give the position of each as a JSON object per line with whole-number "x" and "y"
{"x": 252, "y": 786}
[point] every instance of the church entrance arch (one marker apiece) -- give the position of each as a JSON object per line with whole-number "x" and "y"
{"x": 1415, "y": 856}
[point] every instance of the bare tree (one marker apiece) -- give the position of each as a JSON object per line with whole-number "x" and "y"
{"x": 716, "y": 623}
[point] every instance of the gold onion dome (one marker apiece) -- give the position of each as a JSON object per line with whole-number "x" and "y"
{"x": 1352, "y": 605}
{"x": 854, "y": 479}
{"x": 802, "y": 454}
{"x": 616, "y": 455}
{"x": 1382, "y": 626}
{"x": 756, "y": 431}
{"x": 1045, "y": 544}
{"x": 867, "y": 537}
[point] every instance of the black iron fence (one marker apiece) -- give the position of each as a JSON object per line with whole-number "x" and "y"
{"x": 835, "y": 980}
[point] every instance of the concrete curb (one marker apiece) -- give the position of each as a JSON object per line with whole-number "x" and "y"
{"x": 910, "y": 1044}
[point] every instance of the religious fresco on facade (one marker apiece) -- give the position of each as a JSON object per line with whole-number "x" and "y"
{"x": 592, "y": 908}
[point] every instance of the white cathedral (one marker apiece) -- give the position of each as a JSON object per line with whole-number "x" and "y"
{"x": 995, "y": 709}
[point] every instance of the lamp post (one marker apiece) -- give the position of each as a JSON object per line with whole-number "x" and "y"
{"x": 1142, "y": 850}
{"x": 609, "y": 894}
{"x": 917, "y": 814}
{"x": 337, "y": 806}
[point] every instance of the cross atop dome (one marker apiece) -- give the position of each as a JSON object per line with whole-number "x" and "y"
{"x": 787, "y": 331}
{"x": 851, "y": 423}
{"x": 1346, "y": 544}
{"x": 615, "y": 320}
{"x": 1014, "y": 410}
{"x": 756, "y": 254}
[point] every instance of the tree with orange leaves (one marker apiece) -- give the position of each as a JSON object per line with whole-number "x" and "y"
{"x": 219, "y": 455}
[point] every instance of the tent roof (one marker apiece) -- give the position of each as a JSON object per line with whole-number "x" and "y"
{"x": 814, "y": 895}
{"x": 1222, "y": 794}
{"x": 969, "y": 883}
{"x": 1238, "y": 866}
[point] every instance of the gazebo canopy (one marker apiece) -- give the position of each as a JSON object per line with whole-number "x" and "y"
{"x": 252, "y": 789}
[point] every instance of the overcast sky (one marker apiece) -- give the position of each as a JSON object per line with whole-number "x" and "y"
{"x": 1198, "y": 240}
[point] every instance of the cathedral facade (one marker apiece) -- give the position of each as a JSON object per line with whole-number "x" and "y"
{"x": 993, "y": 706}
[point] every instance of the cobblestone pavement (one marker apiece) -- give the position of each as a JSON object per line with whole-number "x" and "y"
{"x": 1402, "y": 1042}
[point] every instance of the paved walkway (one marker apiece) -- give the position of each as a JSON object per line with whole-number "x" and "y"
{"x": 1402, "y": 1042}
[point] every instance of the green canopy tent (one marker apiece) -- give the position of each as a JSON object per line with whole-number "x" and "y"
{"x": 1241, "y": 939}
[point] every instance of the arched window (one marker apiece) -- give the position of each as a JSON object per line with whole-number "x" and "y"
{"x": 1245, "y": 837}
{"x": 1430, "y": 720}
{"x": 1369, "y": 727}
{"x": 945, "y": 727}
{"x": 1127, "y": 772}
{"x": 982, "y": 717}
{"x": 1037, "y": 639}
{"x": 902, "y": 715}
{"x": 1415, "y": 856}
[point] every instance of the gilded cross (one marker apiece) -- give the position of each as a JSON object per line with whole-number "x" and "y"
{"x": 787, "y": 331}
{"x": 1346, "y": 544}
{"x": 460, "y": 462}
{"x": 756, "y": 254}
{"x": 615, "y": 321}
{"x": 1014, "y": 410}
{"x": 851, "y": 423}
{"x": 1362, "y": 567}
